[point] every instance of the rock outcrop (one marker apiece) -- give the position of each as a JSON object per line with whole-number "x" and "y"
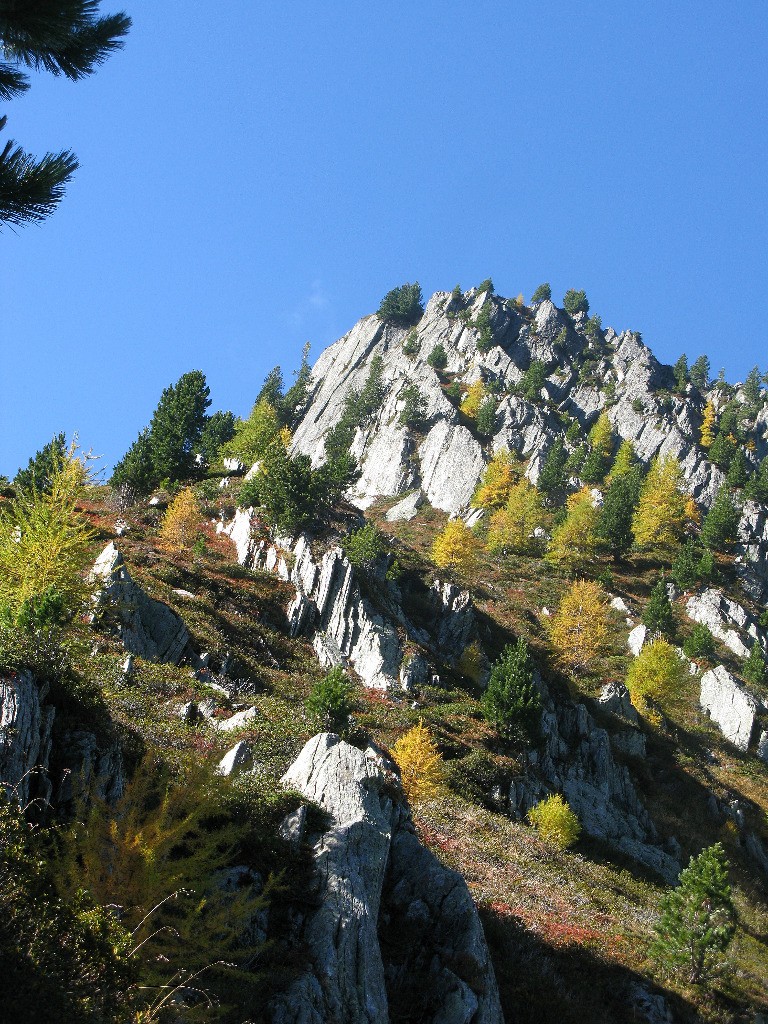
{"x": 726, "y": 619}
{"x": 25, "y": 738}
{"x": 147, "y": 627}
{"x": 371, "y": 877}
{"x": 730, "y": 705}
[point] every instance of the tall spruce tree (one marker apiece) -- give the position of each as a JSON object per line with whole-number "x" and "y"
{"x": 658, "y": 615}
{"x": 64, "y": 37}
{"x": 614, "y": 526}
{"x": 511, "y": 702}
{"x": 718, "y": 531}
{"x": 553, "y": 480}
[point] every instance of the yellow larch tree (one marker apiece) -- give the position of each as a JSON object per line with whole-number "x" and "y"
{"x": 182, "y": 522}
{"x": 656, "y": 674}
{"x": 707, "y": 435}
{"x": 662, "y": 511}
{"x": 625, "y": 460}
{"x": 456, "y": 547}
{"x": 601, "y": 436}
{"x": 473, "y": 399}
{"x": 578, "y": 631}
{"x": 511, "y": 528}
{"x": 575, "y": 542}
{"x": 501, "y": 474}
{"x": 420, "y": 763}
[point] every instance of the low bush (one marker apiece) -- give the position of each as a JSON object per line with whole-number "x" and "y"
{"x": 555, "y": 822}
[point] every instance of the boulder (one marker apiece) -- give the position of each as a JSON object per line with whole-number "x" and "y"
{"x": 725, "y": 619}
{"x": 636, "y": 639}
{"x": 236, "y": 760}
{"x": 730, "y": 705}
{"x": 406, "y": 509}
{"x": 372, "y": 875}
{"x": 147, "y": 627}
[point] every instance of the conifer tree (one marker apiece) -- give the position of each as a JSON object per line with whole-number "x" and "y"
{"x": 218, "y": 430}
{"x": 658, "y": 615}
{"x": 723, "y": 448}
{"x": 532, "y": 381}
{"x": 697, "y": 919}
{"x": 485, "y": 421}
{"x": 329, "y": 701}
{"x": 680, "y": 370}
{"x": 420, "y": 763}
{"x": 512, "y": 703}
{"x": 295, "y": 399}
{"x": 625, "y": 460}
{"x": 44, "y": 465}
{"x": 691, "y": 565}
{"x": 473, "y": 399}
{"x": 754, "y": 668}
{"x": 718, "y": 531}
{"x": 757, "y": 485}
{"x": 555, "y": 822}
{"x": 65, "y": 39}
{"x": 553, "y": 480}
{"x": 575, "y": 541}
{"x": 660, "y": 517}
{"x": 511, "y": 528}
{"x": 601, "y": 445}
{"x": 751, "y": 387}
{"x": 578, "y": 631}
{"x": 699, "y": 373}
{"x": 707, "y": 435}
{"x": 456, "y": 547}
{"x": 656, "y": 673}
{"x": 183, "y": 521}
{"x": 738, "y": 471}
{"x": 542, "y": 293}
{"x": 501, "y": 474}
{"x": 614, "y": 525}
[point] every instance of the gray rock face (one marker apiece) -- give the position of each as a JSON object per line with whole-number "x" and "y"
{"x": 236, "y": 760}
{"x": 25, "y": 738}
{"x": 406, "y": 509}
{"x": 730, "y": 705}
{"x": 636, "y": 639}
{"x": 451, "y": 464}
{"x": 148, "y": 627}
{"x": 752, "y": 551}
{"x": 576, "y": 760}
{"x": 726, "y": 620}
{"x": 93, "y": 769}
{"x": 371, "y": 874}
{"x": 453, "y": 618}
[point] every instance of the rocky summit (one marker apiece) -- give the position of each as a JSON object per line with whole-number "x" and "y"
{"x": 433, "y": 690}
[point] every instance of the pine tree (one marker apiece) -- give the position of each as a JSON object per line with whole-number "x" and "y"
{"x": 456, "y": 547}
{"x": 751, "y": 387}
{"x": 697, "y": 919}
{"x": 575, "y": 542}
{"x": 680, "y": 370}
{"x": 295, "y": 400}
{"x": 485, "y": 421}
{"x": 757, "y": 485}
{"x": 290, "y": 490}
{"x": 532, "y": 381}
{"x": 660, "y": 517}
{"x": 707, "y": 435}
{"x": 690, "y": 565}
{"x": 737, "y": 476}
{"x": 329, "y": 701}
{"x": 553, "y": 480}
{"x": 512, "y": 703}
{"x": 578, "y": 631}
{"x": 218, "y": 430}
{"x": 272, "y": 389}
{"x": 658, "y": 615}
{"x": 754, "y": 668}
{"x": 699, "y": 373}
{"x": 65, "y": 39}
{"x": 614, "y": 525}
{"x": 723, "y": 448}
{"x": 420, "y": 763}
{"x": 42, "y": 468}
{"x": 575, "y": 302}
{"x": 182, "y": 522}
{"x": 403, "y": 305}
{"x": 718, "y": 531}
{"x": 699, "y": 643}
{"x": 511, "y": 528}
{"x": 501, "y": 474}
{"x": 542, "y": 293}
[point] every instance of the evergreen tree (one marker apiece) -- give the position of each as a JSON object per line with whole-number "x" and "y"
{"x": 295, "y": 400}
{"x": 751, "y": 387}
{"x": 601, "y": 445}
{"x": 254, "y": 435}
{"x": 288, "y": 488}
{"x": 614, "y": 526}
{"x": 699, "y": 373}
{"x": 576, "y": 459}
{"x": 438, "y": 357}
{"x": 658, "y": 615}
{"x": 512, "y": 703}
{"x": 723, "y": 449}
{"x": 485, "y": 422}
{"x": 532, "y": 381}
{"x": 552, "y": 480}
{"x": 272, "y": 389}
{"x": 575, "y": 542}
{"x": 738, "y": 471}
{"x": 754, "y": 669}
{"x": 691, "y": 565}
{"x": 414, "y": 411}
{"x": 680, "y": 370}
{"x": 697, "y": 919}
{"x": 329, "y": 701}
{"x": 718, "y": 531}
{"x": 542, "y": 293}
{"x": 661, "y": 513}
{"x": 218, "y": 430}
{"x": 135, "y": 472}
{"x": 575, "y": 302}
{"x": 42, "y": 468}
{"x": 757, "y": 485}
{"x": 699, "y": 643}
{"x": 66, "y": 38}
{"x": 402, "y": 306}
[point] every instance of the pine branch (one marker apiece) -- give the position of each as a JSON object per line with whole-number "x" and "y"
{"x": 30, "y": 189}
{"x": 12, "y": 82}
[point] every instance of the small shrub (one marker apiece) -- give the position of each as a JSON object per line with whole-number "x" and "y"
{"x": 637, "y": 405}
{"x": 532, "y": 381}
{"x": 329, "y": 701}
{"x": 754, "y": 668}
{"x": 555, "y": 822}
{"x": 364, "y": 546}
{"x": 699, "y": 643}
{"x": 411, "y": 344}
{"x": 473, "y": 777}
{"x": 414, "y": 411}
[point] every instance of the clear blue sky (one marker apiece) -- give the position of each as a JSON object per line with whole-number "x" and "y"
{"x": 255, "y": 175}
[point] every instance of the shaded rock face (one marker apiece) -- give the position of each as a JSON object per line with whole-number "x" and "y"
{"x": 752, "y": 551}
{"x": 148, "y": 627}
{"x": 576, "y": 760}
{"x": 373, "y": 877}
{"x": 445, "y": 458}
{"x": 730, "y": 705}
{"x": 25, "y": 738}
{"x": 91, "y": 769}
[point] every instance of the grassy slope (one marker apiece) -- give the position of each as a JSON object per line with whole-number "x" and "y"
{"x": 567, "y": 930}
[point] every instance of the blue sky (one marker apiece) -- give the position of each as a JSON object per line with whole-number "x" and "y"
{"x": 254, "y": 182}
